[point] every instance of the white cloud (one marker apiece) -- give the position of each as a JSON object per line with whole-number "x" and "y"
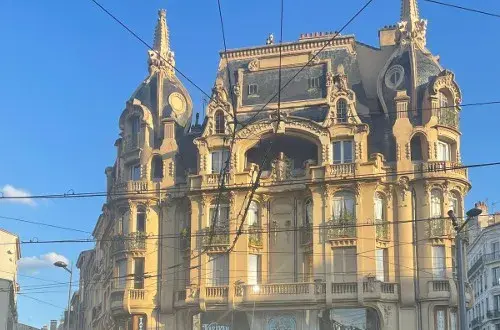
{"x": 44, "y": 261}
{"x": 11, "y": 191}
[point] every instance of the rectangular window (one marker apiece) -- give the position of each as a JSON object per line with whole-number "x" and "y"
{"x": 496, "y": 302}
{"x": 138, "y": 273}
{"x": 382, "y": 265}
{"x": 121, "y": 274}
{"x": 496, "y": 276}
{"x": 495, "y": 249}
{"x": 135, "y": 172}
{"x": 441, "y": 319}
{"x": 444, "y": 151}
{"x": 218, "y": 269}
{"x": 219, "y": 160}
{"x": 253, "y": 90}
{"x": 453, "y": 320}
{"x": 141, "y": 221}
{"x": 221, "y": 218}
{"x": 344, "y": 264}
{"x": 254, "y": 269}
{"x": 438, "y": 262}
{"x": 342, "y": 152}
{"x": 314, "y": 82}
{"x": 454, "y": 261}
{"x": 135, "y": 125}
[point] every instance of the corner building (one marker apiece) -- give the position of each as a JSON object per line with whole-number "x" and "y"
{"x": 364, "y": 163}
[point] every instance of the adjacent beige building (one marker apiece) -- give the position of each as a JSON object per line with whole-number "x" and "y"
{"x": 347, "y": 228}
{"x": 10, "y": 253}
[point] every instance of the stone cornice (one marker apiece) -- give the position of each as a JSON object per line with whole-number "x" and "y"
{"x": 294, "y": 47}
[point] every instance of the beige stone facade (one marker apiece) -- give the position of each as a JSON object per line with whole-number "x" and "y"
{"x": 10, "y": 253}
{"x": 357, "y": 167}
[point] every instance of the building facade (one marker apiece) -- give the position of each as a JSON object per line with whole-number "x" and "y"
{"x": 10, "y": 253}
{"x": 354, "y": 169}
{"x": 20, "y": 326}
{"x": 483, "y": 271}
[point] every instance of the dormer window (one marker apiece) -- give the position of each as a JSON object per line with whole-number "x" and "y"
{"x": 135, "y": 125}
{"x": 342, "y": 151}
{"x": 341, "y": 111}
{"x": 253, "y": 90}
{"x": 219, "y": 159}
{"x": 135, "y": 172}
{"x": 220, "y": 123}
{"x": 314, "y": 82}
{"x": 443, "y": 100}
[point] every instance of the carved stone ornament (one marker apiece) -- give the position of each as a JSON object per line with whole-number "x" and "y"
{"x": 314, "y": 57}
{"x": 408, "y": 151}
{"x": 329, "y": 79}
{"x": 413, "y": 31}
{"x": 236, "y": 90}
{"x": 162, "y": 63}
{"x": 398, "y": 151}
{"x": 219, "y": 94}
{"x": 446, "y": 80}
{"x": 281, "y": 168}
{"x": 254, "y": 65}
{"x": 404, "y": 184}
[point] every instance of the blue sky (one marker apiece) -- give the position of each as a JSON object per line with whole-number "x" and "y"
{"x": 66, "y": 70}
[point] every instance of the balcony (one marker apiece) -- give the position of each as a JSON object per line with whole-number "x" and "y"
{"x": 493, "y": 314}
{"x": 219, "y": 237}
{"x": 382, "y": 230}
{"x": 439, "y": 289}
{"x": 475, "y": 266}
{"x": 448, "y": 117}
{"x": 378, "y": 290}
{"x": 340, "y": 228}
{"x": 216, "y": 294}
{"x": 306, "y": 235}
{"x": 255, "y": 236}
{"x": 491, "y": 257}
{"x": 132, "y": 142}
{"x": 439, "y": 227}
{"x": 439, "y": 169}
{"x": 281, "y": 292}
{"x": 134, "y": 242}
{"x": 340, "y": 170}
{"x": 344, "y": 291}
{"x": 134, "y": 187}
{"x": 214, "y": 179}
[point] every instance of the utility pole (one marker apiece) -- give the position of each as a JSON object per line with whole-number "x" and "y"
{"x": 459, "y": 246}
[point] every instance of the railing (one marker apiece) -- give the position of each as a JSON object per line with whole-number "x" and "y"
{"x": 306, "y": 234}
{"x": 219, "y": 237}
{"x": 388, "y": 287}
{"x": 440, "y": 167}
{"x": 490, "y": 257}
{"x": 340, "y": 228}
{"x": 382, "y": 230}
{"x": 133, "y": 186}
{"x": 439, "y": 227}
{"x": 255, "y": 236}
{"x": 137, "y": 294}
{"x": 132, "y": 242}
{"x": 216, "y": 291}
{"x": 493, "y": 314}
{"x": 279, "y": 289}
{"x": 475, "y": 266}
{"x": 440, "y": 286}
{"x": 345, "y": 288}
{"x": 341, "y": 170}
{"x": 131, "y": 142}
{"x": 180, "y": 295}
{"x": 215, "y": 178}
{"x": 448, "y": 117}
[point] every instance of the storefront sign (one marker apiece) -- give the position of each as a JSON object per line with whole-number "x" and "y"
{"x": 215, "y": 326}
{"x": 223, "y": 321}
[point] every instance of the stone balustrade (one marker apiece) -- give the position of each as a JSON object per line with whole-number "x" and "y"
{"x": 340, "y": 170}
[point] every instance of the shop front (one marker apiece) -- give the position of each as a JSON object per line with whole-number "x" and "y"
{"x": 349, "y": 319}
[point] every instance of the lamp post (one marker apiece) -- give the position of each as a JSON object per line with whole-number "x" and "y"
{"x": 460, "y": 262}
{"x": 63, "y": 265}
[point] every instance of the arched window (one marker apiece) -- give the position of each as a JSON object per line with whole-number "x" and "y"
{"x": 220, "y": 123}
{"x": 344, "y": 207}
{"x": 380, "y": 208}
{"x": 219, "y": 214}
{"x": 341, "y": 111}
{"x": 308, "y": 218}
{"x": 443, "y": 100}
{"x": 455, "y": 202}
{"x": 156, "y": 167}
{"x": 416, "y": 146}
{"x": 122, "y": 222}
{"x": 140, "y": 220}
{"x": 436, "y": 204}
{"x": 253, "y": 214}
{"x": 135, "y": 125}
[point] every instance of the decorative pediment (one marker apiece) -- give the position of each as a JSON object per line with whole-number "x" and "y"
{"x": 290, "y": 123}
{"x": 446, "y": 80}
{"x": 136, "y": 108}
{"x": 341, "y": 99}
{"x": 412, "y": 31}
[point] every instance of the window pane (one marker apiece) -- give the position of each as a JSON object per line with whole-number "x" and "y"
{"x": 216, "y": 168}
{"x": 351, "y": 264}
{"x": 135, "y": 172}
{"x": 308, "y": 215}
{"x": 253, "y": 269}
{"x": 438, "y": 262}
{"x": 139, "y": 273}
{"x": 337, "y": 152}
{"x": 217, "y": 270}
{"x": 121, "y": 273}
{"x": 379, "y": 209}
{"x": 252, "y": 218}
{"x": 347, "y": 152}
{"x": 436, "y": 202}
{"x": 141, "y": 221}
{"x": 379, "y": 256}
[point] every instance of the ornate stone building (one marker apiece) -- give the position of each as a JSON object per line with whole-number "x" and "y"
{"x": 347, "y": 227}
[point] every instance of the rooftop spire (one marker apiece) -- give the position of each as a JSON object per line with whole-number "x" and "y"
{"x": 411, "y": 28}
{"x": 162, "y": 38}
{"x": 161, "y": 58}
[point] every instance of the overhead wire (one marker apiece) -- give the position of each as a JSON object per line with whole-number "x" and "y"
{"x": 446, "y": 4}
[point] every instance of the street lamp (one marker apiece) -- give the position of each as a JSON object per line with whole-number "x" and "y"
{"x": 63, "y": 265}
{"x": 474, "y": 212}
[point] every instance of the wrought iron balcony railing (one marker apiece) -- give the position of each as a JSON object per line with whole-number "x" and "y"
{"x": 132, "y": 242}
{"x": 340, "y": 228}
{"x": 448, "y": 117}
{"x": 306, "y": 234}
{"x": 382, "y": 230}
{"x": 219, "y": 236}
{"x": 255, "y": 236}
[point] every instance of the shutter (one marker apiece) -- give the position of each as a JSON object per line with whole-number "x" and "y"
{"x": 351, "y": 268}
{"x": 338, "y": 265}
{"x": 337, "y": 152}
{"x": 348, "y": 151}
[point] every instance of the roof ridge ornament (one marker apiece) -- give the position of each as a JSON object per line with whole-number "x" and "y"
{"x": 161, "y": 58}
{"x": 411, "y": 28}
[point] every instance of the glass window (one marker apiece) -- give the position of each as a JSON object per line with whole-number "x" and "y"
{"x": 218, "y": 269}
{"x": 141, "y": 220}
{"x": 350, "y": 318}
{"x": 222, "y": 216}
{"x": 314, "y": 82}
{"x": 220, "y": 123}
{"x": 135, "y": 172}
{"x": 496, "y": 302}
{"x": 157, "y": 167}
{"x": 495, "y": 249}
{"x": 382, "y": 265}
{"x": 219, "y": 160}
{"x": 379, "y": 211}
{"x": 135, "y": 123}
{"x": 436, "y": 204}
{"x": 344, "y": 206}
{"x": 341, "y": 111}
{"x": 342, "y": 152}
{"x": 443, "y": 151}
{"x": 254, "y": 269}
{"x": 443, "y": 100}
{"x": 438, "y": 262}
{"x": 496, "y": 276}
{"x": 253, "y": 214}
{"x": 344, "y": 264}
{"x": 441, "y": 319}
{"x": 453, "y": 320}
{"x": 123, "y": 223}
{"x": 308, "y": 219}
{"x": 121, "y": 273}
{"x": 253, "y": 89}
{"x": 138, "y": 273}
